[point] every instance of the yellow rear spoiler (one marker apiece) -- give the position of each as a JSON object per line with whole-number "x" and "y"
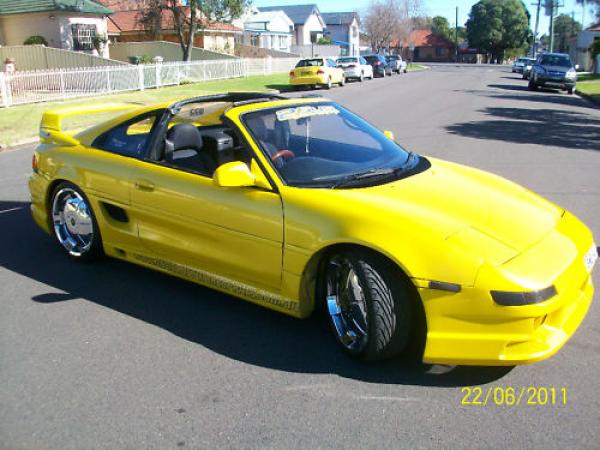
{"x": 51, "y": 131}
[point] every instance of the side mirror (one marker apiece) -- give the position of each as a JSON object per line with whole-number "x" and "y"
{"x": 233, "y": 174}
{"x": 389, "y": 135}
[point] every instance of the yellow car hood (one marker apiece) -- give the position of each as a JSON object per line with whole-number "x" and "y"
{"x": 478, "y": 211}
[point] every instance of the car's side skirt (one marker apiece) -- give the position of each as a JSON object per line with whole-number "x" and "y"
{"x": 218, "y": 282}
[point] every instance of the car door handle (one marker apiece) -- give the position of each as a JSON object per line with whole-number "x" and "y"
{"x": 144, "y": 185}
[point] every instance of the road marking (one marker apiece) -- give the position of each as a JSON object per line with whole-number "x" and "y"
{"x": 12, "y": 209}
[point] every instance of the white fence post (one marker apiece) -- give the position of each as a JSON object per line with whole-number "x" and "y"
{"x": 4, "y": 90}
{"x": 157, "y": 74}
{"x": 63, "y": 92}
{"x": 141, "y": 84}
{"x": 107, "y": 79}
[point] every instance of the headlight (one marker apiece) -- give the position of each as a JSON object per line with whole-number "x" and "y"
{"x": 571, "y": 74}
{"x": 523, "y": 298}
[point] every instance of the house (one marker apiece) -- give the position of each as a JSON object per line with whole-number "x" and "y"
{"x": 79, "y": 25}
{"x": 579, "y": 46}
{"x": 268, "y": 29}
{"x": 307, "y": 19}
{"x": 343, "y": 29}
{"x": 126, "y": 25}
{"x": 423, "y": 45}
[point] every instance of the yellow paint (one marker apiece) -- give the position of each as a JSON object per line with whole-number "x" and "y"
{"x": 260, "y": 240}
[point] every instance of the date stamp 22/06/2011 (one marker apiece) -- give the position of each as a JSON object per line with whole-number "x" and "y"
{"x": 513, "y": 396}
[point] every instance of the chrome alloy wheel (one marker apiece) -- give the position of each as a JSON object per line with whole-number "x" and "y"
{"x": 347, "y": 305}
{"x": 72, "y": 222}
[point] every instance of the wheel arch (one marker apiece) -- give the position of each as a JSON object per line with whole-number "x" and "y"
{"x": 312, "y": 286}
{"x": 310, "y": 283}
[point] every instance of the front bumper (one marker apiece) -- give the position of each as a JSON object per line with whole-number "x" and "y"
{"x": 469, "y": 328}
{"x": 556, "y": 84}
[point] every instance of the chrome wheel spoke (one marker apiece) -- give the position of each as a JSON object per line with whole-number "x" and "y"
{"x": 72, "y": 221}
{"x": 346, "y": 304}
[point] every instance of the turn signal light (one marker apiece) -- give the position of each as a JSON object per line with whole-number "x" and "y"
{"x": 292, "y": 74}
{"x": 34, "y": 163}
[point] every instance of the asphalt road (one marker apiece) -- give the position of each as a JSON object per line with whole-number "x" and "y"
{"x": 112, "y": 356}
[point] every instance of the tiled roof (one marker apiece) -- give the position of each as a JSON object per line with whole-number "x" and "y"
{"x": 424, "y": 38}
{"x": 340, "y": 18}
{"x": 31, "y": 6}
{"x": 298, "y": 13}
{"x": 127, "y": 21}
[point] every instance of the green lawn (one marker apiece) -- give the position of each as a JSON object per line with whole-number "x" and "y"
{"x": 415, "y": 67}
{"x": 589, "y": 86}
{"x": 18, "y": 123}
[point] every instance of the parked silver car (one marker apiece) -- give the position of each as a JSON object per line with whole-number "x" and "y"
{"x": 355, "y": 67}
{"x": 527, "y": 67}
{"x": 397, "y": 63}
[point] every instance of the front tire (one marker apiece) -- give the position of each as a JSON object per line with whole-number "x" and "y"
{"x": 531, "y": 85}
{"x": 362, "y": 77}
{"x": 74, "y": 223}
{"x": 570, "y": 91}
{"x": 343, "y": 82}
{"x": 369, "y": 308}
{"x": 329, "y": 84}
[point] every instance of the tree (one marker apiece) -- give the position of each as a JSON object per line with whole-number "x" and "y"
{"x": 441, "y": 27}
{"x": 188, "y": 17}
{"x": 497, "y": 25}
{"x": 565, "y": 28}
{"x": 387, "y": 20}
{"x": 594, "y": 4}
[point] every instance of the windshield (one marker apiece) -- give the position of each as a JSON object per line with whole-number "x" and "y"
{"x": 310, "y": 63}
{"x": 322, "y": 144}
{"x": 347, "y": 60}
{"x": 371, "y": 58}
{"x": 556, "y": 60}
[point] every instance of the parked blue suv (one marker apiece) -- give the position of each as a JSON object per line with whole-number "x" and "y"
{"x": 555, "y": 71}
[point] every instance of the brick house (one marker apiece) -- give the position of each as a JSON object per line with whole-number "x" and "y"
{"x": 427, "y": 47}
{"x": 125, "y": 25}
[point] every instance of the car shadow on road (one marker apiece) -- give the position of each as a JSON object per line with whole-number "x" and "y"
{"x": 548, "y": 127}
{"x": 219, "y": 322}
{"x": 542, "y": 95}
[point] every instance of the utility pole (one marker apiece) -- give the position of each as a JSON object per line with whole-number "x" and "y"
{"x": 456, "y": 37}
{"x": 551, "y": 26}
{"x": 537, "y": 22}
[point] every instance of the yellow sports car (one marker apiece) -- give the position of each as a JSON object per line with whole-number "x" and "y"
{"x": 300, "y": 205}
{"x": 317, "y": 72}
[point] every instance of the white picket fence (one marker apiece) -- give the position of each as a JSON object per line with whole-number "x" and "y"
{"x": 52, "y": 85}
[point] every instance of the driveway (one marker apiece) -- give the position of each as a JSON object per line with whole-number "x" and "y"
{"x": 110, "y": 355}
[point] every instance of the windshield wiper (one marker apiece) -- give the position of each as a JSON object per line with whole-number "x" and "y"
{"x": 359, "y": 176}
{"x": 377, "y": 172}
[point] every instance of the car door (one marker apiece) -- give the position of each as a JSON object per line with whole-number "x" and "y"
{"x": 107, "y": 168}
{"x": 184, "y": 218}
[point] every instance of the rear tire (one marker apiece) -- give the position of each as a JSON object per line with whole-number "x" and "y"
{"x": 362, "y": 77}
{"x": 74, "y": 224}
{"x": 329, "y": 84}
{"x": 570, "y": 91}
{"x": 368, "y": 305}
{"x": 343, "y": 82}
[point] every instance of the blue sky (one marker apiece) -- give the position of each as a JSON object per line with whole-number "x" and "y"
{"x": 434, "y": 8}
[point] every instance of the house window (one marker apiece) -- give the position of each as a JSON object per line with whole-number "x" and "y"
{"x": 282, "y": 42}
{"x": 441, "y": 51}
{"x": 254, "y": 40}
{"x": 83, "y": 36}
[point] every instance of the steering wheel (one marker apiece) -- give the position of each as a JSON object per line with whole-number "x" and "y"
{"x": 285, "y": 153}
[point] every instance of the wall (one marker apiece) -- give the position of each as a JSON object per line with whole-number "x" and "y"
{"x": 38, "y": 57}
{"x": 168, "y": 50}
{"x": 346, "y": 33}
{"x": 17, "y": 28}
{"x": 312, "y": 24}
{"x": 307, "y": 51}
